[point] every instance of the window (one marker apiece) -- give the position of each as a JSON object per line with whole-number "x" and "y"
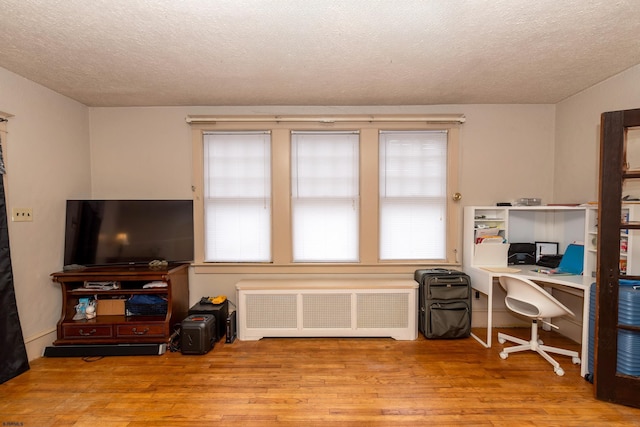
{"x": 324, "y": 196}
{"x": 237, "y": 193}
{"x": 413, "y": 185}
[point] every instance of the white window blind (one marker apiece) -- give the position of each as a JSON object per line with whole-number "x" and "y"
{"x": 237, "y": 193}
{"x": 325, "y": 196}
{"x": 413, "y": 186}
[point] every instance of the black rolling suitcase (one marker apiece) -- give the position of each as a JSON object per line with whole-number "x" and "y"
{"x": 444, "y": 303}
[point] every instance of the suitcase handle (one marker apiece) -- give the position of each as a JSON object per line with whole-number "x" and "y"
{"x": 441, "y": 270}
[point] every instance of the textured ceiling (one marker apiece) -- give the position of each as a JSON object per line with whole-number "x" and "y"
{"x": 318, "y": 52}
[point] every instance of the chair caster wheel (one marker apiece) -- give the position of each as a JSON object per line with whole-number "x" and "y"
{"x": 503, "y": 355}
{"x": 540, "y": 342}
{"x": 501, "y": 340}
{"x": 559, "y": 371}
{"x": 575, "y": 360}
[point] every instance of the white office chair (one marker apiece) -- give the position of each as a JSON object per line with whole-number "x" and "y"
{"x": 526, "y": 298}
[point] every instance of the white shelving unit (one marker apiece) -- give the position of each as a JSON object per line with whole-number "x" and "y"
{"x": 629, "y": 241}
{"x": 481, "y": 222}
{"x": 591, "y": 241}
{"x": 523, "y": 224}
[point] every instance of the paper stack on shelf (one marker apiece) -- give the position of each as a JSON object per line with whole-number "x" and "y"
{"x": 488, "y": 235}
{"x": 490, "y": 239}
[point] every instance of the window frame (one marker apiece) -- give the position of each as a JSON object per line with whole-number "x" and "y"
{"x": 305, "y": 205}
{"x": 369, "y": 128}
{"x": 254, "y": 241}
{"x": 411, "y": 194}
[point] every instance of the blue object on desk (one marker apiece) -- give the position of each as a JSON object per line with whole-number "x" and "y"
{"x": 572, "y": 260}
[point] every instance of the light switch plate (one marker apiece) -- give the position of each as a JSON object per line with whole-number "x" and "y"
{"x": 21, "y": 214}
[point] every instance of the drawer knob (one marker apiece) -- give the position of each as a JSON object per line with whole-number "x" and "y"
{"x": 137, "y": 332}
{"x": 83, "y": 333}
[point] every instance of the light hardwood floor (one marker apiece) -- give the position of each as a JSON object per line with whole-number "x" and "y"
{"x": 309, "y": 382}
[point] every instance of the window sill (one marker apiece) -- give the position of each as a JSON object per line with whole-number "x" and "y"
{"x": 307, "y": 268}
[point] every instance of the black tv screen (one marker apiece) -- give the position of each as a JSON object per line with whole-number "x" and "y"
{"x": 107, "y": 232}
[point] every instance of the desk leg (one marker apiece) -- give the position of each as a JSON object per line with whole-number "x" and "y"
{"x": 584, "y": 354}
{"x": 486, "y": 344}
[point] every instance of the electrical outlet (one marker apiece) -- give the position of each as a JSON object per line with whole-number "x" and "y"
{"x": 21, "y": 214}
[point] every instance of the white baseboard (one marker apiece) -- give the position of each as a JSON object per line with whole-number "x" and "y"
{"x": 36, "y": 344}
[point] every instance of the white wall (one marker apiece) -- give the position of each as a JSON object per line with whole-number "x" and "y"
{"x": 140, "y": 153}
{"x": 578, "y": 134}
{"x": 47, "y": 162}
{"x": 506, "y": 153}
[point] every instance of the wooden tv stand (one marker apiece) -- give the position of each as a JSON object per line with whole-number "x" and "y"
{"x": 120, "y": 328}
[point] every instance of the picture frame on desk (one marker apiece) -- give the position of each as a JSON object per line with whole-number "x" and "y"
{"x": 546, "y": 248}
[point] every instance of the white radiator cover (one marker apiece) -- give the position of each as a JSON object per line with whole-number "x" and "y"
{"x": 327, "y": 308}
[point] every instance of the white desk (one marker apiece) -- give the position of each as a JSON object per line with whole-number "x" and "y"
{"x": 483, "y": 282}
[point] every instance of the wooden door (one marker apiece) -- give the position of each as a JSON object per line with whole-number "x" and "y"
{"x": 612, "y": 382}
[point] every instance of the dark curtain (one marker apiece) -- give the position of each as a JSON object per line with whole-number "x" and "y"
{"x": 13, "y": 354}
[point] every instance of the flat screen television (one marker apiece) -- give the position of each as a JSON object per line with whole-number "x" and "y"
{"x": 126, "y": 232}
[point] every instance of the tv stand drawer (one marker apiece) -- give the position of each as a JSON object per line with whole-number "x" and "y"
{"x": 87, "y": 331}
{"x": 139, "y": 330}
